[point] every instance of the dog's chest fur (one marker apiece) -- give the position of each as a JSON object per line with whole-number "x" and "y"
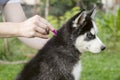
{"x": 77, "y": 70}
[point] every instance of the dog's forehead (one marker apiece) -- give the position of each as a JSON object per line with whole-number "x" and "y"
{"x": 94, "y": 28}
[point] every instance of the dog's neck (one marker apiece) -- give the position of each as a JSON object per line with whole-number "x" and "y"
{"x": 63, "y": 39}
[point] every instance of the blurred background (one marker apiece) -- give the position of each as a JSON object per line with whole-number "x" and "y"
{"x": 104, "y": 66}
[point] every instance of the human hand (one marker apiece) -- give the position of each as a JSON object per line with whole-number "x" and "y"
{"x": 35, "y": 26}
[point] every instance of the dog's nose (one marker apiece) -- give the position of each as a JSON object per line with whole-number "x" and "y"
{"x": 103, "y": 48}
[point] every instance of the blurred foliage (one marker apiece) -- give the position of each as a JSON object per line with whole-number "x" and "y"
{"x": 2, "y": 50}
{"x": 59, "y": 21}
{"x": 58, "y": 8}
{"x": 90, "y": 3}
{"x": 17, "y": 50}
{"x": 118, "y": 22}
{"x": 108, "y": 24}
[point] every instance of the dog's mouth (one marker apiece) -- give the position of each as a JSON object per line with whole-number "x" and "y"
{"x": 97, "y": 49}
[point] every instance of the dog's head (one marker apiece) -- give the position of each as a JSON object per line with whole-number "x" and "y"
{"x": 83, "y": 32}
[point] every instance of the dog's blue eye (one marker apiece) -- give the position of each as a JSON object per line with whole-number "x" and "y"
{"x": 90, "y": 35}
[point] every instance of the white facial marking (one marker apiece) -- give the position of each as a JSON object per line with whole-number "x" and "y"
{"x": 80, "y": 44}
{"x": 76, "y": 70}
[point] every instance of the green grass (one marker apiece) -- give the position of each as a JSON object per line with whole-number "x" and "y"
{"x": 104, "y": 66}
{"x": 9, "y": 72}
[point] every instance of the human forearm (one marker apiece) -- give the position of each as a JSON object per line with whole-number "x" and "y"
{"x": 19, "y": 16}
{"x": 8, "y": 29}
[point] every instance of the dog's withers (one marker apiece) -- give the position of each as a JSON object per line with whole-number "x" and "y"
{"x": 59, "y": 58}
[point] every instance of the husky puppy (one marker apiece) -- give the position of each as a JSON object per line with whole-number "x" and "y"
{"x": 59, "y": 59}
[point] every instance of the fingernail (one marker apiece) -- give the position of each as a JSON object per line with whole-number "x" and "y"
{"x": 55, "y": 32}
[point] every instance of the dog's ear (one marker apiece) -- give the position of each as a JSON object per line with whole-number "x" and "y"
{"x": 79, "y": 19}
{"x": 92, "y": 12}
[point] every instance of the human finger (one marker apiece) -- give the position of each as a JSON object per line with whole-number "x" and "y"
{"x": 41, "y": 30}
{"x": 47, "y": 23}
{"x": 42, "y": 25}
{"x": 41, "y": 35}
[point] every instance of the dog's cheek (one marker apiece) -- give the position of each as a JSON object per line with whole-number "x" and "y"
{"x": 80, "y": 44}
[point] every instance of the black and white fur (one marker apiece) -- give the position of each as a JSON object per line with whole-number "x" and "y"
{"x": 59, "y": 59}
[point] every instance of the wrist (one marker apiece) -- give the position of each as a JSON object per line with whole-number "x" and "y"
{"x": 20, "y": 29}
